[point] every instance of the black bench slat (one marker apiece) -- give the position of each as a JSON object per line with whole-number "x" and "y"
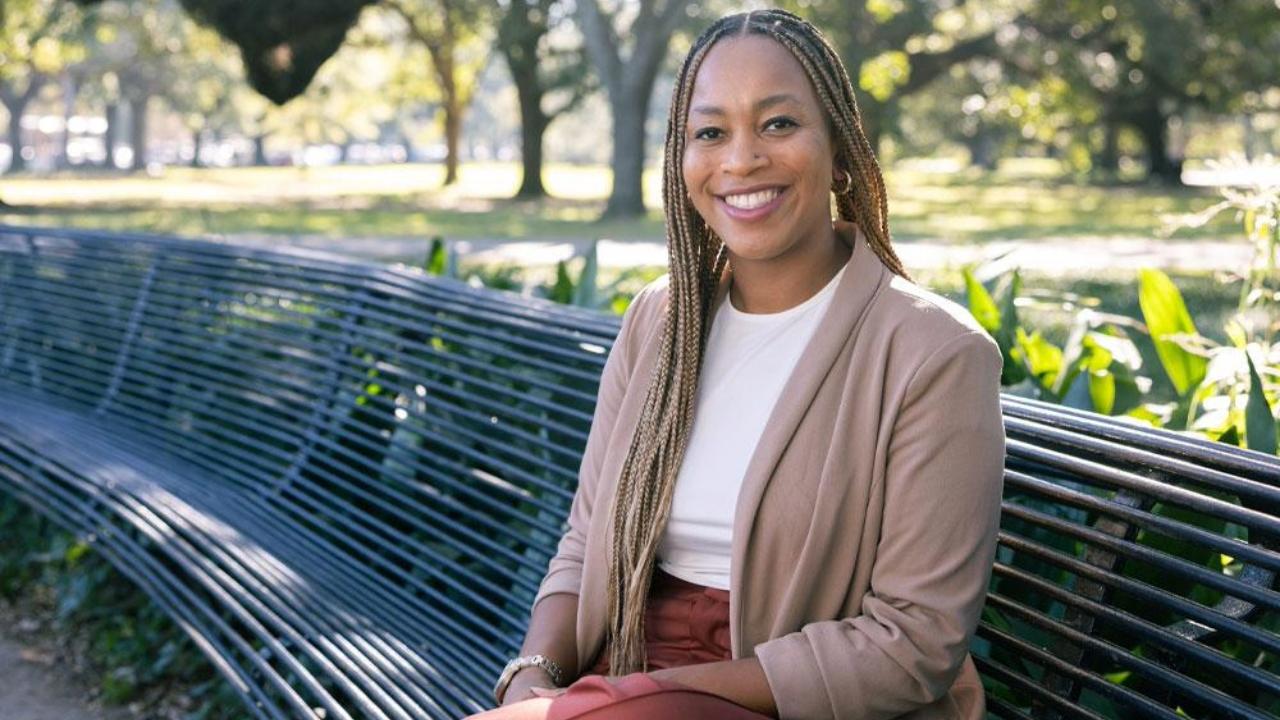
{"x": 585, "y": 396}
{"x": 1140, "y": 704}
{"x": 182, "y": 606}
{"x": 1255, "y": 554}
{"x": 1176, "y": 567}
{"x": 1059, "y": 706}
{"x": 533, "y": 312}
{"x": 1156, "y": 488}
{"x": 1122, "y": 658}
{"x": 1132, "y": 625}
{"x": 1155, "y": 596}
{"x": 1222, "y": 457}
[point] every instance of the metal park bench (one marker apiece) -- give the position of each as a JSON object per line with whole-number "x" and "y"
{"x": 344, "y": 482}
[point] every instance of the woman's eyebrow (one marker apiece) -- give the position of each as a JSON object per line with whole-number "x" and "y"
{"x": 760, "y": 104}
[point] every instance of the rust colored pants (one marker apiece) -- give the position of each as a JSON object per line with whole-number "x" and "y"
{"x": 685, "y": 624}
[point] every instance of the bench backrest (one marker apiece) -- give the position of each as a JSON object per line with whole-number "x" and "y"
{"x": 430, "y": 432}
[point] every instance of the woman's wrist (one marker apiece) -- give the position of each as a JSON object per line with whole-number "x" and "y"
{"x": 524, "y": 680}
{"x": 534, "y": 673}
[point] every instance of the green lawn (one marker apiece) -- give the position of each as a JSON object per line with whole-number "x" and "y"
{"x": 1021, "y": 201}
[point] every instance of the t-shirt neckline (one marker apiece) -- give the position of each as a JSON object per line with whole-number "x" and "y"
{"x": 814, "y": 299}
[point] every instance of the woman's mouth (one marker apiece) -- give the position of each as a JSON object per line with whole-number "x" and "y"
{"x": 750, "y": 206}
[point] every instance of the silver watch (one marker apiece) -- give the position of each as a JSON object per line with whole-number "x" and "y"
{"x": 520, "y": 663}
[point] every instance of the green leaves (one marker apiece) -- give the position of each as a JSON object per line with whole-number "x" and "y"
{"x": 1260, "y": 423}
{"x": 441, "y": 259}
{"x": 1168, "y": 321}
{"x": 584, "y": 292}
{"x": 996, "y": 311}
{"x": 981, "y": 304}
{"x": 562, "y": 290}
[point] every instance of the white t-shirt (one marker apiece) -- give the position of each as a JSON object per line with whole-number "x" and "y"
{"x": 748, "y": 359}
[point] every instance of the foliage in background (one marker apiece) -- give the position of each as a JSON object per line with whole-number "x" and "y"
{"x": 1222, "y": 390}
{"x": 139, "y": 649}
{"x": 586, "y": 290}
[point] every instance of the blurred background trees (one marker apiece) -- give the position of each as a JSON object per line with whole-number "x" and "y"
{"x": 1115, "y": 89}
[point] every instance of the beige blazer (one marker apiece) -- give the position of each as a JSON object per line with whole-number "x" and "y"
{"x": 865, "y": 529}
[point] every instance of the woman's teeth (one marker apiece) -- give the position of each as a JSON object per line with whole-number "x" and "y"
{"x": 751, "y": 201}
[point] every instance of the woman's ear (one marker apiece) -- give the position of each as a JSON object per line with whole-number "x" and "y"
{"x": 841, "y": 181}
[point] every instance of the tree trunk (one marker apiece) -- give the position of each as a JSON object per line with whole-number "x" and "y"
{"x": 138, "y": 131}
{"x": 197, "y": 141}
{"x": 1154, "y": 128}
{"x": 69, "y": 91}
{"x": 533, "y": 126}
{"x": 629, "y": 111}
{"x": 16, "y": 110}
{"x": 1253, "y": 141}
{"x": 406, "y": 145}
{"x": 629, "y": 82}
{"x": 16, "y": 103}
{"x": 982, "y": 149}
{"x": 259, "y": 150}
{"x": 518, "y": 37}
{"x": 452, "y": 136}
{"x": 532, "y": 130}
{"x": 1108, "y": 160}
{"x": 112, "y": 112}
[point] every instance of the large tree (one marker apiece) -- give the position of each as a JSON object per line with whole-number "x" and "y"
{"x": 1145, "y": 63}
{"x": 627, "y": 55}
{"x": 893, "y": 50}
{"x": 208, "y": 92}
{"x": 37, "y": 41}
{"x": 444, "y": 28}
{"x": 540, "y": 70}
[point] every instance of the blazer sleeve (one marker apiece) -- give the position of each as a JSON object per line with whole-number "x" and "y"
{"x": 942, "y": 490}
{"x": 564, "y": 572}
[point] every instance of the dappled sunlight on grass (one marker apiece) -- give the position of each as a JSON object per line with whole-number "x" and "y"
{"x": 970, "y": 206}
{"x": 937, "y": 200}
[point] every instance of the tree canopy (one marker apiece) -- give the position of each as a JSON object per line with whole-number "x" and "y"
{"x": 284, "y": 42}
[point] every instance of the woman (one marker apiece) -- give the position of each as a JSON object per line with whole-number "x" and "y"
{"x": 789, "y": 497}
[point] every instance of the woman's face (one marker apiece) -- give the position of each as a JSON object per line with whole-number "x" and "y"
{"x": 758, "y": 155}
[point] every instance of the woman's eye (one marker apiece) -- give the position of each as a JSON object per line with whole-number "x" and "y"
{"x": 779, "y": 123}
{"x": 706, "y": 134}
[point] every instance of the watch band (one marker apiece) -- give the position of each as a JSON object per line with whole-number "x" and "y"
{"x": 520, "y": 663}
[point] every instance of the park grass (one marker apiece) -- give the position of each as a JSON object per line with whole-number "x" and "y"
{"x": 937, "y": 202}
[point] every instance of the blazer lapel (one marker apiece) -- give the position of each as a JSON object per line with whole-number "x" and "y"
{"x": 852, "y": 296}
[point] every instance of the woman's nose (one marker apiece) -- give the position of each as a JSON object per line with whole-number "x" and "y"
{"x": 743, "y": 155}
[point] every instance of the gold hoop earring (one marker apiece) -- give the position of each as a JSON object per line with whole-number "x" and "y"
{"x": 847, "y": 182}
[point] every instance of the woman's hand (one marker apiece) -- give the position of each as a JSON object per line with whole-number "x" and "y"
{"x": 524, "y": 684}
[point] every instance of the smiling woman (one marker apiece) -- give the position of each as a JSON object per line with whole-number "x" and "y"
{"x": 758, "y": 162}
{"x": 789, "y": 497}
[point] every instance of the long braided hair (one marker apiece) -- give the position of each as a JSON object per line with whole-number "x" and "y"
{"x": 697, "y": 260}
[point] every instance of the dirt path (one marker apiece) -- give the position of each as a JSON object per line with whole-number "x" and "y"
{"x": 38, "y": 685}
